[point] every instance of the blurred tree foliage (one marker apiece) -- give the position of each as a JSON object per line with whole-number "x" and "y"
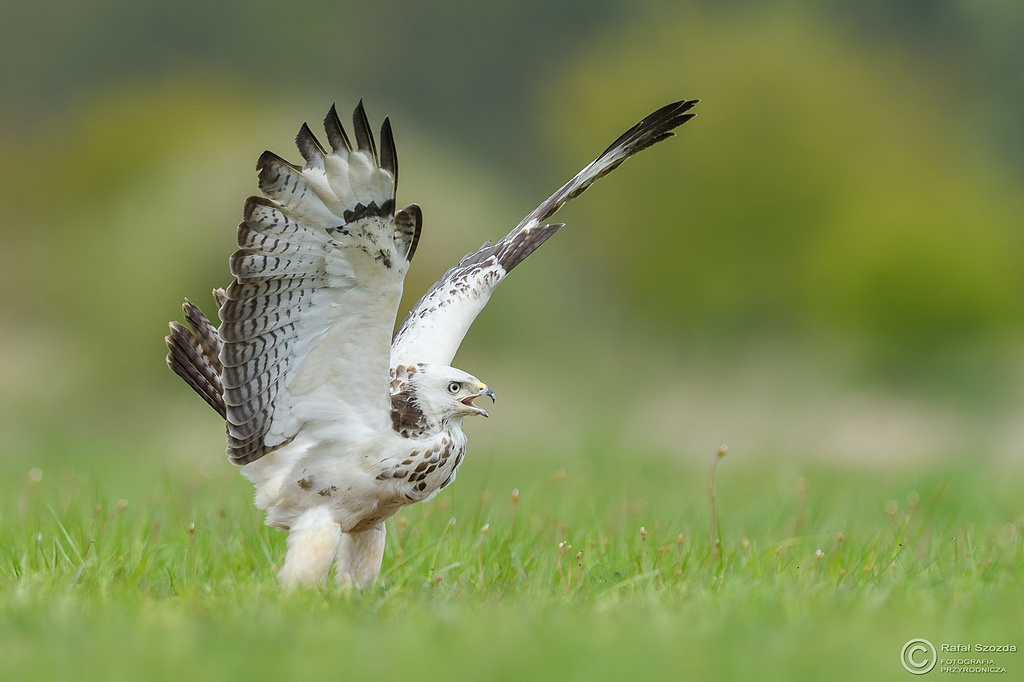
{"x": 466, "y": 68}
{"x": 111, "y": 210}
{"x": 823, "y": 189}
{"x": 470, "y": 68}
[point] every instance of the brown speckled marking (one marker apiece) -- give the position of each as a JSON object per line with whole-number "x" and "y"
{"x": 305, "y": 483}
{"x": 327, "y": 492}
{"x": 407, "y": 419}
{"x": 406, "y": 416}
{"x": 394, "y": 472}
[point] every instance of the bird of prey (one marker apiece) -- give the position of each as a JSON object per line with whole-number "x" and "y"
{"x": 338, "y": 420}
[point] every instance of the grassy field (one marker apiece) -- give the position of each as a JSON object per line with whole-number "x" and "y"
{"x": 600, "y": 565}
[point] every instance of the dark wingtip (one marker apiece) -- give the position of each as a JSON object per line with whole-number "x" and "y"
{"x": 268, "y": 159}
{"x": 389, "y": 153}
{"x": 655, "y": 127}
{"x": 336, "y": 135}
{"x": 364, "y": 136}
{"x": 310, "y": 148}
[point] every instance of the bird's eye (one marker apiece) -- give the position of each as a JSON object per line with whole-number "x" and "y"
{"x": 454, "y": 387}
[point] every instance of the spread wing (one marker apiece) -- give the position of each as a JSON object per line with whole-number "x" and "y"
{"x": 436, "y": 325}
{"x": 306, "y": 325}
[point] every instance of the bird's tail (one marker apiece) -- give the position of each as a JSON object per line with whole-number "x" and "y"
{"x": 194, "y": 353}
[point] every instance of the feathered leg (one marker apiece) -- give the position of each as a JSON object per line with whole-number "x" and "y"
{"x": 312, "y": 544}
{"x": 359, "y": 557}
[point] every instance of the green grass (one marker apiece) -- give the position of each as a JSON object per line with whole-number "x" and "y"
{"x": 115, "y": 567}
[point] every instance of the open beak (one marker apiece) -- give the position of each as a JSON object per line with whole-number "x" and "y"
{"x": 481, "y": 390}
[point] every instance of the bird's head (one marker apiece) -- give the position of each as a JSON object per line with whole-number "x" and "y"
{"x": 446, "y": 393}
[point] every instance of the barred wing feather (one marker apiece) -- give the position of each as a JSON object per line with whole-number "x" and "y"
{"x": 322, "y": 257}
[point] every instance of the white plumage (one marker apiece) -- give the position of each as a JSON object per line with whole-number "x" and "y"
{"x": 337, "y": 422}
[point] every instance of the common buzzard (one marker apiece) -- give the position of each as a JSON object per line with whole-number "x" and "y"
{"x": 338, "y": 420}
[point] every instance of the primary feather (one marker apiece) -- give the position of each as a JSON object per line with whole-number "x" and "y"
{"x": 337, "y": 422}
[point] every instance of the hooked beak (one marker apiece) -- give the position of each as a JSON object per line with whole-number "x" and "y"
{"x": 481, "y": 390}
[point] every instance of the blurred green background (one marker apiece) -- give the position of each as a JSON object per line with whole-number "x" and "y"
{"x": 825, "y": 263}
